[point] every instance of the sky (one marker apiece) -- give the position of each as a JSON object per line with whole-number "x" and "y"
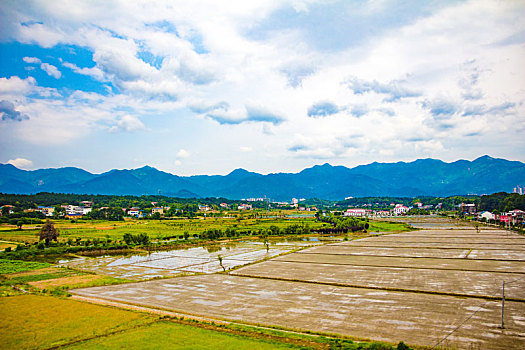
{"x": 207, "y": 86}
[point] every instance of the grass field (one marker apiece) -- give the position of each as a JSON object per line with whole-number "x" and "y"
{"x": 156, "y": 229}
{"x": 389, "y": 226}
{"x": 33, "y": 321}
{"x": 12, "y": 266}
{"x": 169, "y": 335}
{"x": 163, "y": 229}
{"x": 19, "y": 277}
{"x": 41, "y": 322}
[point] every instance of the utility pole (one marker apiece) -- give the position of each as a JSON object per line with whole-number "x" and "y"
{"x": 503, "y": 305}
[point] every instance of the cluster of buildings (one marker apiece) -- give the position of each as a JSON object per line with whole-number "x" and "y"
{"x": 139, "y": 213}
{"x": 77, "y": 211}
{"x": 397, "y": 210}
{"x": 70, "y": 211}
{"x": 519, "y": 189}
{"x": 513, "y": 217}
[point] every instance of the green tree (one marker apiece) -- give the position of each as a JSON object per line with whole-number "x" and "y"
{"x": 48, "y": 232}
{"x": 5, "y": 211}
{"x": 19, "y": 224}
{"x": 220, "y": 262}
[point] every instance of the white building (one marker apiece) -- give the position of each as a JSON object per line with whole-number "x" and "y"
{"x": 487, "y": 215}
{"x": 400, "y": 209}
{"x": 244, "y": 207}
{"x": 136, "y": 212}
{"x": 76, "y": 210}
{"x": 357, "y": 212}
{"x": 382, "y": 213}
{"x": 47, "y": 211}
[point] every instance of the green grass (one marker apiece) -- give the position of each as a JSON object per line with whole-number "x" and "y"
{"x": 161, "y": 229}
{"x": 35, "y": 322}
{"x": 12, "y": 266}
{"x": 388, "y": 226}
{"x": 156, "y": 229}
{"x": 38, "y": 322}
{"x": 169, "y": 335}
{"x": 40, "y": 277}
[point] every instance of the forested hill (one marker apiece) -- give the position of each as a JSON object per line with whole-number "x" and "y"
{"x": 429, "y": 177}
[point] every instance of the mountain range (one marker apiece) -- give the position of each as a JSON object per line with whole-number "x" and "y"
{"x": 431, "y": 177}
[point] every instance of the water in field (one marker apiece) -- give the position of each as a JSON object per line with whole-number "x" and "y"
{"x": 203, "y": 259}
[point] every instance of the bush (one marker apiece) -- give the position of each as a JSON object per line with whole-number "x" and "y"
{"x": 402, "y": 346}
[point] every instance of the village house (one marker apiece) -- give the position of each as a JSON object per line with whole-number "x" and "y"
{"x": 357, "y": 212}
{"x": 467, "y": 208}
{"x": 400, "y": 209}
{"x": 516, "y": 216}
{"x": 382, "y": 213}
{"x": 487, "y": 215}
{"x": 135, "y": 212}
{"x": 47, "y": 211}
{"x": 159, "y": 210}
{"x": 7, "y": 208}
{"x": 244, "y": 207}
{"x": 75, "y": 209}
{"x": 86, "y": 204}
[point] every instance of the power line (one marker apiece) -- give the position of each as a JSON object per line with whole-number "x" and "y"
{"x": 475, "y": 312}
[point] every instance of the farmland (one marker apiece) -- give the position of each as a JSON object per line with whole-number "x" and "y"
{"x": 161, "y": 230}
{"x": 40, "y": 322}
{"x": 33, "y": 293}
{"x": 437, "y": 286}
{"x": 156, "y": 229}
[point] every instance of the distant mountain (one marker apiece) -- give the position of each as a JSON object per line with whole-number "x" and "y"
{"x": 421, "y": 177}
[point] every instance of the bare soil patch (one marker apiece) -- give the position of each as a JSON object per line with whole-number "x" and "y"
{"x": 65, "y": 281}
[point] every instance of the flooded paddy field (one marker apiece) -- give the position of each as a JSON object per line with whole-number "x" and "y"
{"x": 405, "y": 287}
{"x": 415, "y": 318}
{"x": 175, "y": 262}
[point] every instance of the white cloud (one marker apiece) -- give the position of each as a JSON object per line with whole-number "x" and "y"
{"x": 51, "y": 70}
{"x": 408, "y": 79}
{"x": 94, "y": 72}
{"x": 31, "y": 60}
{"x": 182, "y": 153}
{"x": 21, "y": 163}
{"x": 127, "y": 123}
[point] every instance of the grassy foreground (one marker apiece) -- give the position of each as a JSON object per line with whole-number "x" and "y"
{"x": 169, "y": 335}
{"x": 34, "y": 314}
{"x": 41, "y": 322}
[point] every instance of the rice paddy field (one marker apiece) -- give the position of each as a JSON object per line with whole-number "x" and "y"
{"x": 44, "y": 322}
{"x": 440, "y": 286}
{"x": 192, "y": 260}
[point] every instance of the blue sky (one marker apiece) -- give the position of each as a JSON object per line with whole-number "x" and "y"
{"x": 204, "y": 87}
